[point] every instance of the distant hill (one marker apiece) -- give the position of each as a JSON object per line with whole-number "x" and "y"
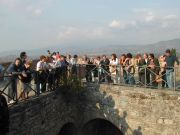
{"x": 163, "y": 45}
{"x": 157, "y": 48}
{"x": 81, "y": 49}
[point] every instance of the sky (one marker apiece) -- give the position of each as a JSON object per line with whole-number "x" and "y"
{"x": 29, "y": 24}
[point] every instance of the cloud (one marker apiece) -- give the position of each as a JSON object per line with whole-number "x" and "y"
{"x": 67, "y": 33}
{"x": 165, "y": 24}
{"x": 73, "y": 34}
{"x": 170, "y": 17}
{"x": 9, "y": 3}
{"x": 34, "y": 11}
{"x": 34, "y": 7}
{"x": 145, "y": 14}
{"x": 37, "y": 12}
{"x": 117, "y": 24}
{"x": 149, "y": 18}
{"x": 142, "y": 10}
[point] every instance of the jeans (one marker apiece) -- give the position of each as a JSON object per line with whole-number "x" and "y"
{"x": 130, "y": 78}
{"x": 169, "y": 77}
{"x": 12, "y": 90}
{"x": 125, "y": 76}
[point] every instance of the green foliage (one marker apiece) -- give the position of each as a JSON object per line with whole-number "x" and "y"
{"x": 173, "y": 51}
{"x": 74, "y": 82}
{"x": 71, "y": 81}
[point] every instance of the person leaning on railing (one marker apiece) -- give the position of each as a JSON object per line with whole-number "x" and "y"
{"x": 147, "y": 72}
{"x": 26, "y": 78}
{"x": 104, "y": 64}
{"x": 141, "y": 69}
{"x": 170, "y": 60}
{"x": 96, "y": 71}
{"x": 163, "y": 65}
{"x": 41, "y": 75}
{"x": 122, "y": 64}
{"x": 51, "y": 71}
{"x": 64, "y": 69}
{"x": 130, "y": 69}
{"x": 154, "y": 68}
{"x": 13, "y": 71}
{"x": 90, "y": 67}
{"x": 113, "y": 67}
{"x": 74, "y": 62}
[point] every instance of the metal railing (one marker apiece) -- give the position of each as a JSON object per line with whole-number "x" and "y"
{"x": 120, "y": 75}
{"x": 39, "y": 83}
{"x": 90, "y": 73}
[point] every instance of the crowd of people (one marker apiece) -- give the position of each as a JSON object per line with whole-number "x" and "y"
{"x": 52, "y": 68}
{"x": 151, "y": 70}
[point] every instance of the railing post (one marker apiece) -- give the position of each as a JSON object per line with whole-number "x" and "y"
{"x": 99, "y": 68}
{"x": 174, "y": 78}
{"x": 145, "y": 77}
{"x": 120, "y": 77}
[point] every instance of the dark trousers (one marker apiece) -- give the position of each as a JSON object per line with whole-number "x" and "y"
{"x": 51, "y": 80}
{"x": 125, "y": 76}
{"x": 12, "y": 90}
{"x": 74, "y": 70}
{"x": 147, "y": 78}
{"x": 88, "y": 76}
{"x": 40, "y": 81}
{"x": 142, "y": 78}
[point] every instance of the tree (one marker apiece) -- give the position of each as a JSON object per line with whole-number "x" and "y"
{"x": 173, "y": 51}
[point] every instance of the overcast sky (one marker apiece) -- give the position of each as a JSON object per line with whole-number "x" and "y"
{"x": 40, "y": 23}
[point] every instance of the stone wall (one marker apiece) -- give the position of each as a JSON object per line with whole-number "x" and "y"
{"x": 134, "y": 111}
{"x": 44, "y": 115}
{"x": 146, "y": 111}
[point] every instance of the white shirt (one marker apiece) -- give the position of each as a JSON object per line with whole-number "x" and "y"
{"x": 57, "y": 64}
{"x": 73, "y": 61}
{"x": 114, "y": 62}
{"x": 40, "y": 66}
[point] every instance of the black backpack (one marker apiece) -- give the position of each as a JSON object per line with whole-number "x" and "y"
{"x": 4, "y": 115}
